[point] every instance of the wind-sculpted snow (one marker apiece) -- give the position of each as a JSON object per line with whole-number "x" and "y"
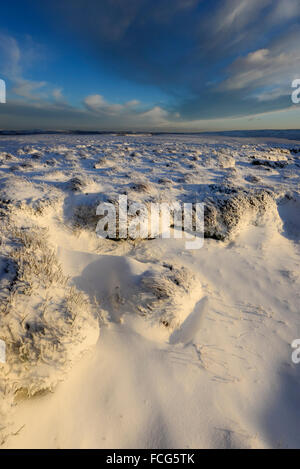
{"x": 58, "y": 279}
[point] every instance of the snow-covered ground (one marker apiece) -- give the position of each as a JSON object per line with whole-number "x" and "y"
{"x": 144, "y": 343}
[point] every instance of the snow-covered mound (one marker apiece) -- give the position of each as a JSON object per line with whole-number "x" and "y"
{"x": 228, "y": 212}
{"x": 163, "y": 294}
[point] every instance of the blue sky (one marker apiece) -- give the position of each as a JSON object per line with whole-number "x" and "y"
{"x": 184, "y": 65}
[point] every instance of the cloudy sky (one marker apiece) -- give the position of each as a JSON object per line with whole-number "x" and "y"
{"x": 184, "y": 65}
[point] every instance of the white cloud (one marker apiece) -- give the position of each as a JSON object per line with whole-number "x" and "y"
{"x": 285, "y": 10}
{"x": 267, "y": 71}
{"x": 10, "y": 56}
{"x": 156, "y": 115}
{"x": 96, "y": 103}
{"x": 133, "y": 103}
{"x": 271, "y": 95}
{"x": 58, "y": 95}
{"x": 130, "y": 113}
{"x": 29, "y": 89}
{"x": 237, "y": 13}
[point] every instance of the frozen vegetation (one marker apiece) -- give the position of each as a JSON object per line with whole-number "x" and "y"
{"x": 141, "y": 342}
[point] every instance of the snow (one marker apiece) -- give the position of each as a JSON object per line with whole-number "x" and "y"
{"x": 160, "y": 346}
